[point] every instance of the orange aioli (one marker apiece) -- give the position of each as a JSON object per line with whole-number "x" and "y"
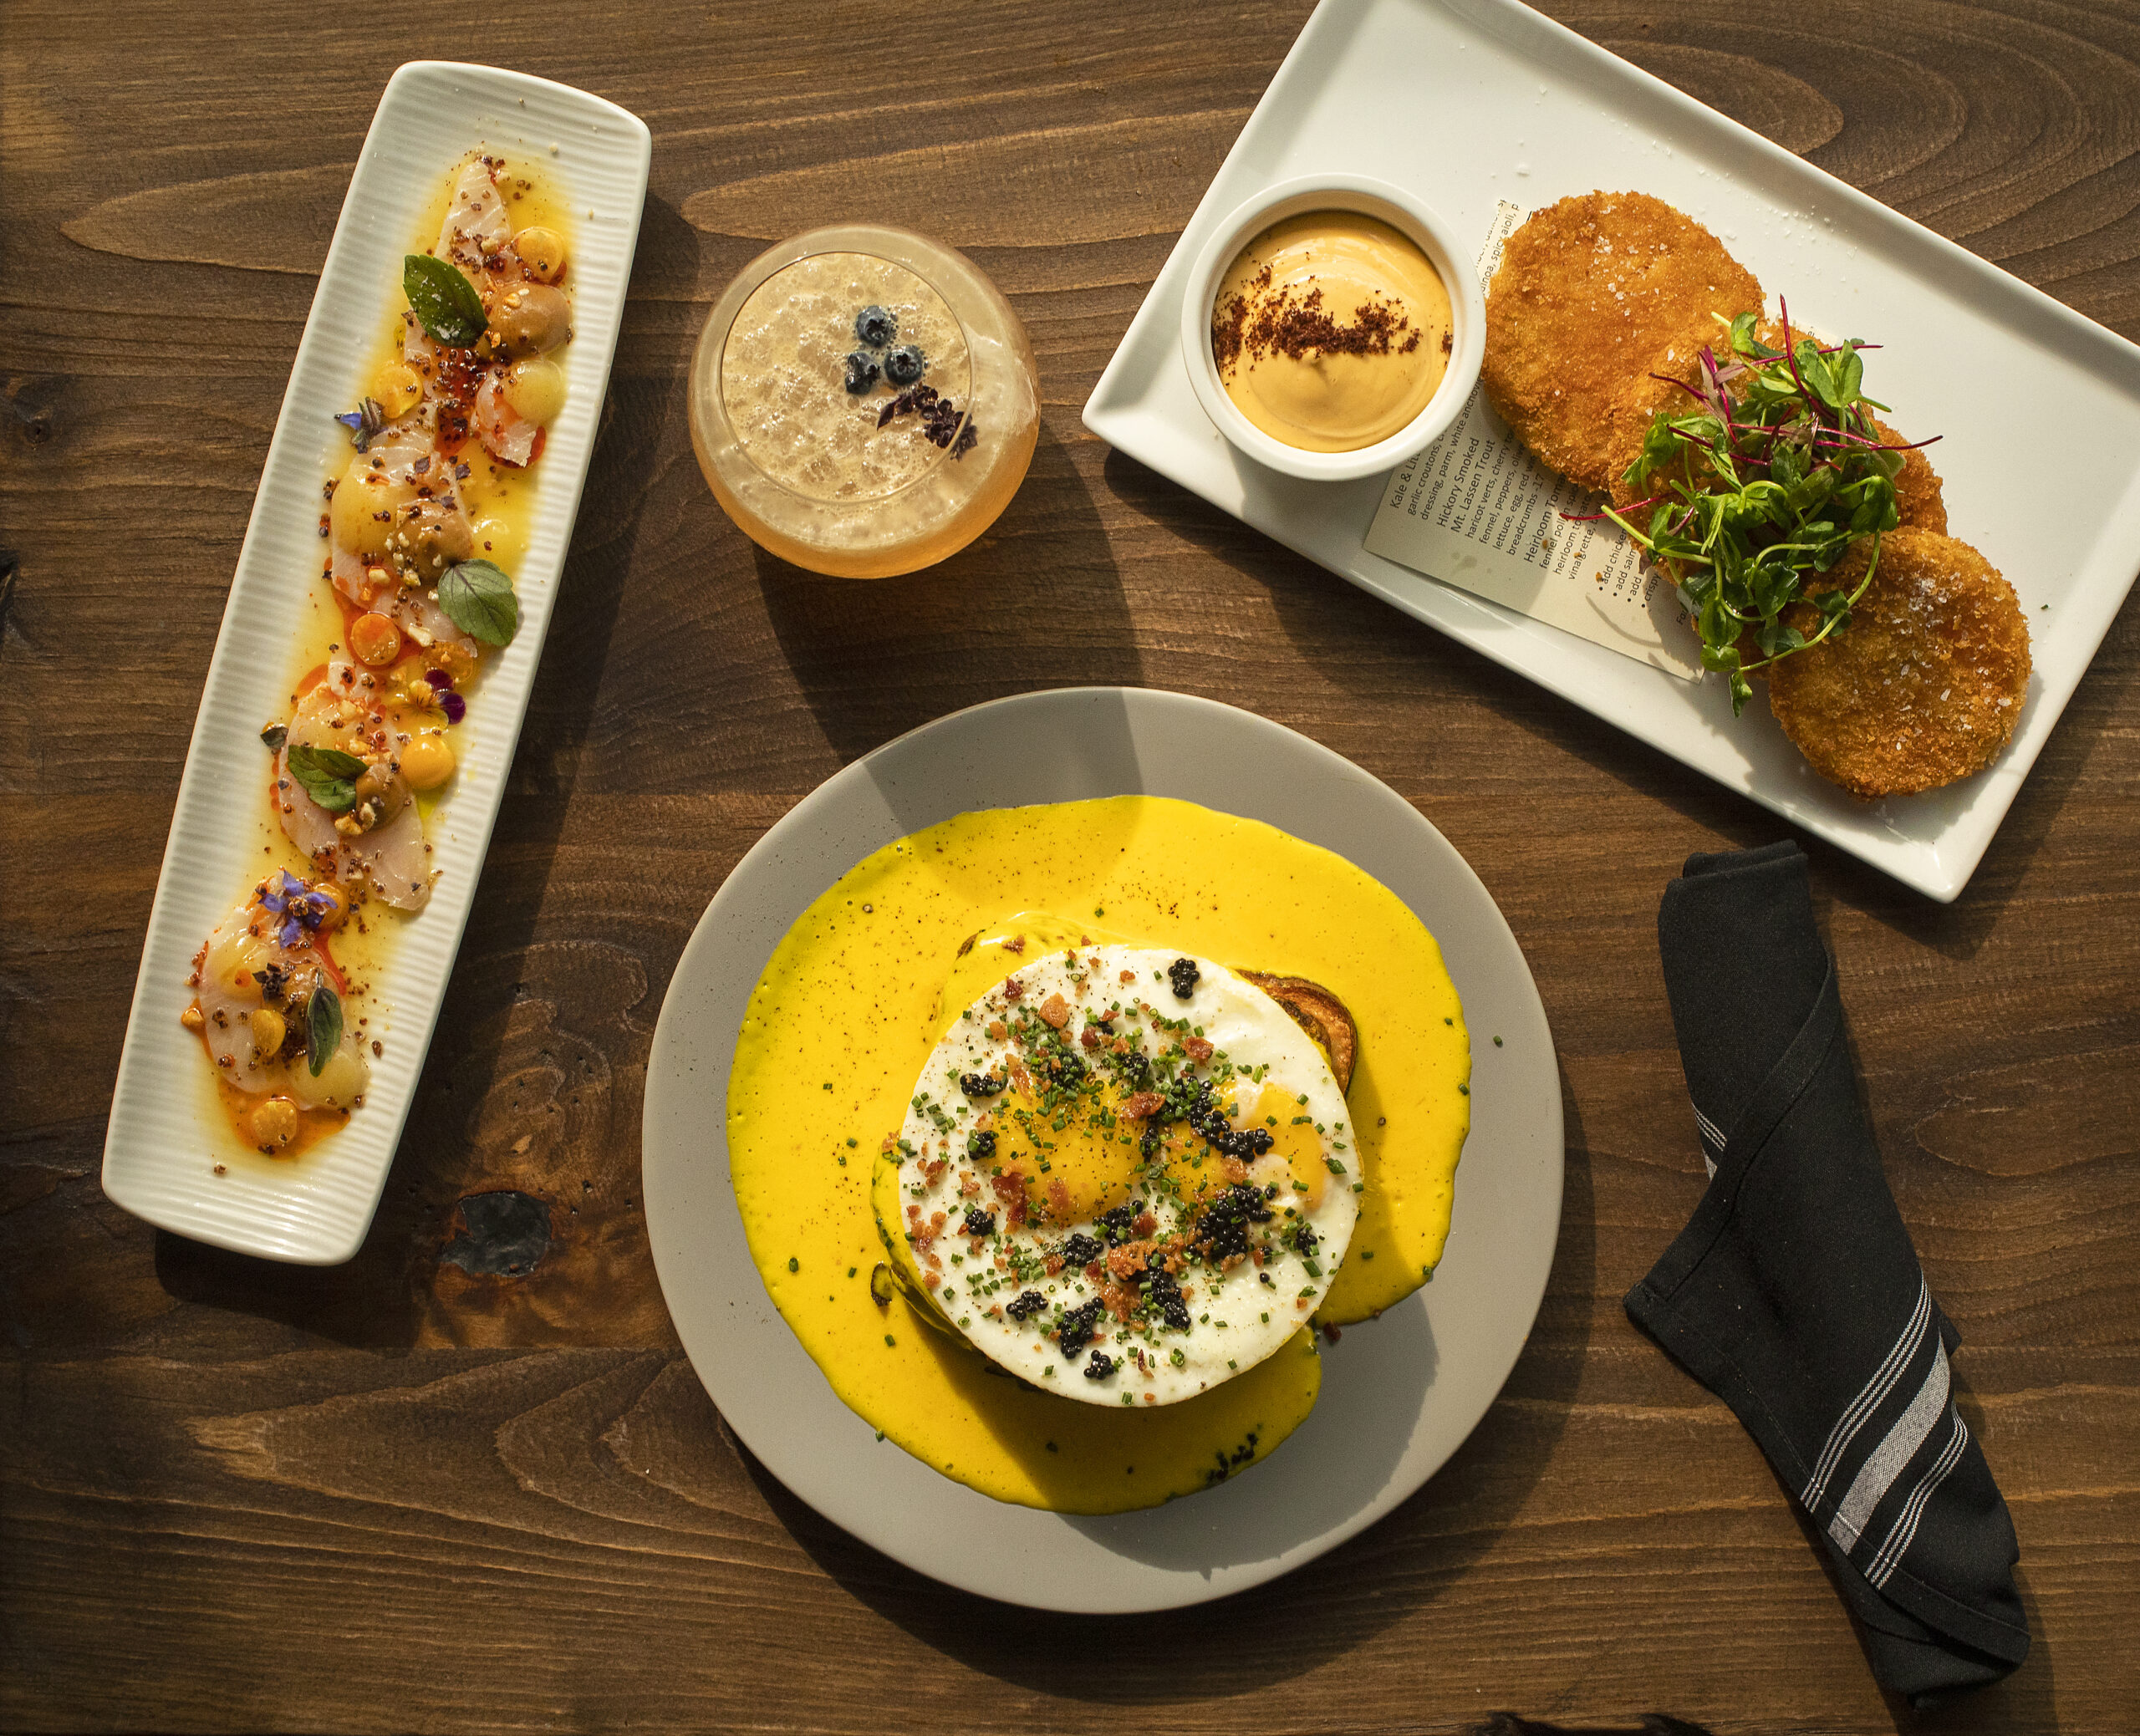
{"x": 1380, "y": 300}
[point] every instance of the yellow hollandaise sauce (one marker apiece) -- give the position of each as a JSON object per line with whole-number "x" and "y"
{"x": 851, "y": 1005}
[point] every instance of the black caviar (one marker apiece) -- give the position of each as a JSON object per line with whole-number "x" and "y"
{"x": 979, "y": 1223}
{"x": 1029, "y": 1303}
{"x": 1101, "y": 1367}
{"x": 1080, "y": 1250}
{"x": 1223, "y": 1230}
{"x": 1120, "y": 1224}
{"x": 1081, "y": 1323}
{"x": 980, "y": 1085}
{"x": 980, "y": 1145}
{"x": 1162, "y": 1295}
{"x": 1183, "y": 975}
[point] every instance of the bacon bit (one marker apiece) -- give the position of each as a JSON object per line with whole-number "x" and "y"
{"x": 890, "y": 1141}
{"x": 1127, "y": 978}
{"x": 1232, "y": 1169}
{"x": 1189, "y": 1292}
{"x": 919, "y": 1237}
{"x": 930, "y": 1280}
{"x": 1058, "y": 1201}
{"x": 1128, "y": 1261}
{"x": 1011, "y": 1190}
{"x": 1121, "y": 1300}
{"x": 969, "y": 1188}
{"x": 1013, "y": 990}
{"x": 1056, "y": 1010}
{"x": 1256, "y": 1254}
{"x": 1096, "y": 1272}
{"x": 1136, "y": 1108}
{"x": 1151, "y": 1398}
{"x": 997, "y": 1033}
{"x": 1332, "y": 1333}
{"x": 1145, "y": 1223}
{"x": 1015, "y": 944}
{"x": 932, "y": 1167}
{"x": 1021, "y": 1080}
{"x": 1091, "y": 1037}
{"x": 1052, "y": 1265}
{"x": 1199, "y": 1050}
{"x": 1301, "y": 1302}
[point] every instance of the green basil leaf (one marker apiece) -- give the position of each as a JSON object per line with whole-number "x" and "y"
{"x": 274, "y": 735}
{"x": 479, "y": 600}
{"x": 323, "y": 1026}
{"x": 327, "y": 775}
{"x": 444, "y": 299}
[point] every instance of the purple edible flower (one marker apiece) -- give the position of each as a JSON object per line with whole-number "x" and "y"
{"x": 364, "y": 422}
{"x": 440, "y": 679}
{"x": 454, "y": 705}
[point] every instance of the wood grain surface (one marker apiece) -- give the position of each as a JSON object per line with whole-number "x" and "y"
{"x": 404, "y": 1494}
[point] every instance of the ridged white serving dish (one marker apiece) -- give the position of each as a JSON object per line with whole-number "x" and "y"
{"x": 167, "y": 1131}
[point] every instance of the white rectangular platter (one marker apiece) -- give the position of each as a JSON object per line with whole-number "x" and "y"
{"x": 1469, "y": 102}
{"x": 167, "y": 1132}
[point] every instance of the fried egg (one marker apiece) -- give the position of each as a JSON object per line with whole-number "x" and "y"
{"x": 1125, "y": 1175}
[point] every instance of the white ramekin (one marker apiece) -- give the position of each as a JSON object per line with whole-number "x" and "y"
{"x": 1402, "y": 212}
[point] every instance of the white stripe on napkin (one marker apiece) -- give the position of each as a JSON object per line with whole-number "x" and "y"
{"x": 1904, "y": 1531}
{"x": 1871, "y": 1396}
{"x": 1877, "y": 1475}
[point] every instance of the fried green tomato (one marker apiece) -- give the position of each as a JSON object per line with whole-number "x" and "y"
{"x": 1590, "y": 291}
{"x": 1925, "y": 684}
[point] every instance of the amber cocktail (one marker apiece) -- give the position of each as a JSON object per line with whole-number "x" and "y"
{"x": 862, "y": 401}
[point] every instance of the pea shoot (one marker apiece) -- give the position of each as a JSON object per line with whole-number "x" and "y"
{"x": 1768, "y": 478}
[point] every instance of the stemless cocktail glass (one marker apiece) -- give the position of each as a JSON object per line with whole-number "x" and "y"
{"x": 895, "y": 476}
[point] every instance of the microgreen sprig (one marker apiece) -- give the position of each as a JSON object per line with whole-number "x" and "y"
{"x": 1771, "y": 474}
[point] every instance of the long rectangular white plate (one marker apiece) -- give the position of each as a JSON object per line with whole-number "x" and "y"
{"x": 167, "y": 1131}
{"x": 1467, "y": 102}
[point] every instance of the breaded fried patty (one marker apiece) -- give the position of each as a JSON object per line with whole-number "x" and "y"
{"x": 1590, "y": 290}
{"x": 1918, "y": 497}
{"x": 1924, "y": 686}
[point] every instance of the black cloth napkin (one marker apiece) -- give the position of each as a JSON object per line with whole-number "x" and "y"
{"x": 1794, "y": 1294}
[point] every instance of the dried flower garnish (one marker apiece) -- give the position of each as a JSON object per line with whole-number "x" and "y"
{"x": 941, "y": 423}
{"x": 365, "y": 423}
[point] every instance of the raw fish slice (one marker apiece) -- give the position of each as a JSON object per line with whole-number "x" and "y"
{"x": 394, "y": 859}
{"x": 414, "y": 610}
{"x": 476, "y": 220}
{"x": 504, "y": 433}
{"x": 244, "y": 942}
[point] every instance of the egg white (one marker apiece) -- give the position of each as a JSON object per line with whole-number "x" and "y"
{"x": 1237, "y": 1314}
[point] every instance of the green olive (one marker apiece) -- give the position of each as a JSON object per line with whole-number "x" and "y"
{"x": 530, "y": 319}
{"x": 431, "y": 536}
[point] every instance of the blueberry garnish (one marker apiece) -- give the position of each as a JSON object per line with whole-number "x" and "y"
{"x": 904, "y": 365}
{"x": 876, "y": 326}
{"x": 861, "y": 372}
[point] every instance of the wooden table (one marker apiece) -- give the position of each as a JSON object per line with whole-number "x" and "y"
{"x": 402, "y": 1495}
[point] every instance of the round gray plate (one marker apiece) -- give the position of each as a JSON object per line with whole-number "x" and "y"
{"x": 1399, "y": 1394}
